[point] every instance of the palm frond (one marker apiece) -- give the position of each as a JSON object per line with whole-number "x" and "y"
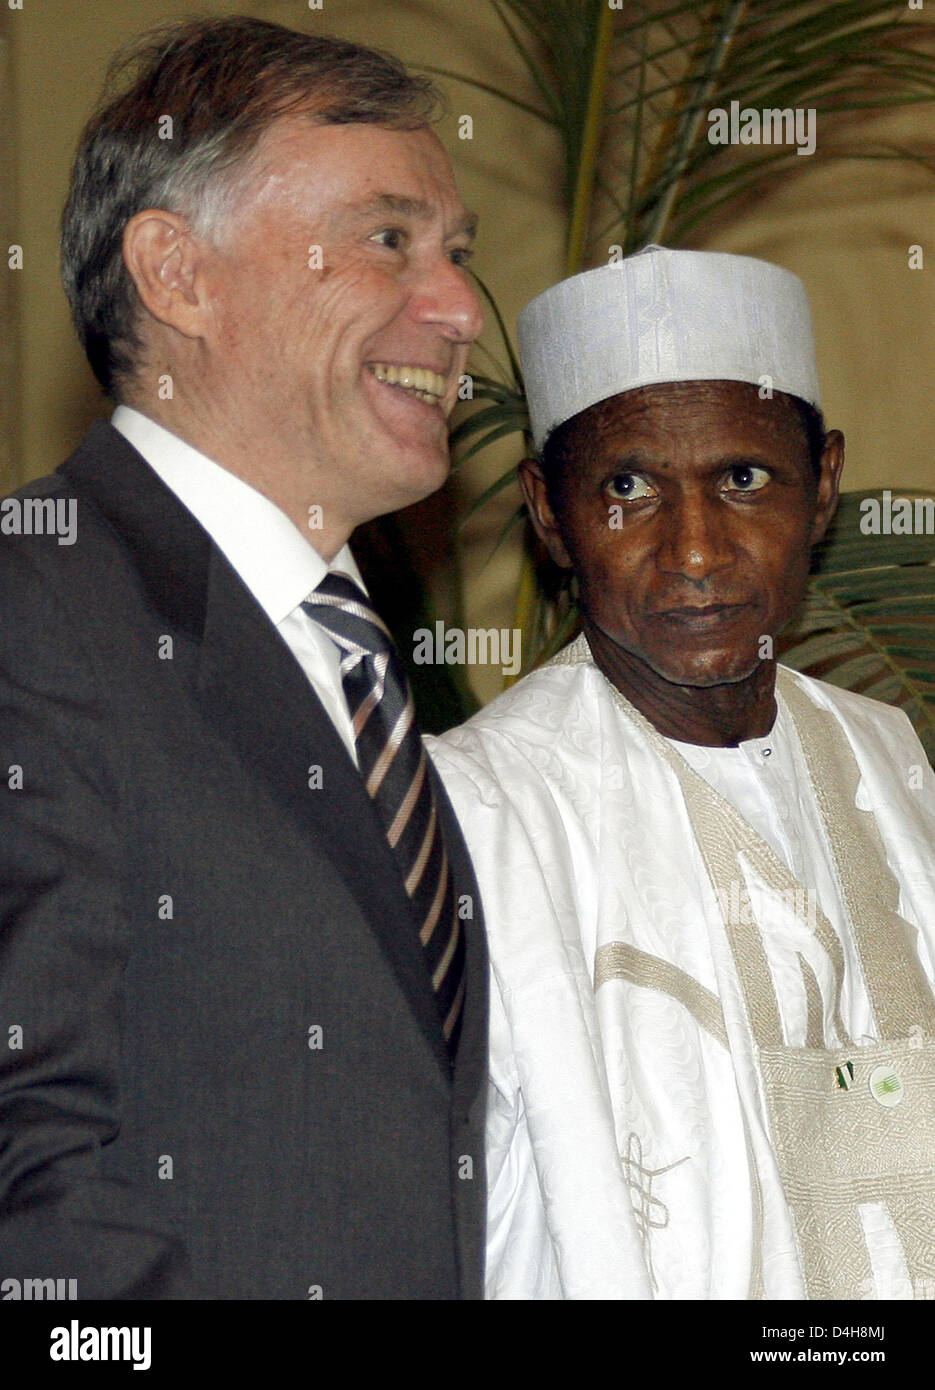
{"x": 629, "y": 94}
{"x": 504, "y": 334}
{"x": 509, "y": 97}
{"x": 868, "y": 621}
{"x": 508, "y": 426}
{"x": 836, "y": 59}
{"x": 496, "y": 487}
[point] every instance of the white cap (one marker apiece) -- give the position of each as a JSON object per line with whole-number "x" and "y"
{"x": 659, "y": 316}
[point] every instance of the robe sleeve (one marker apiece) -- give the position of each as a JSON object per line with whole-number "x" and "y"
{"x": 521, "y": 1262}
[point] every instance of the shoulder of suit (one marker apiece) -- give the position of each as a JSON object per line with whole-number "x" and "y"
{"x": 66, "y": 573}
{"x": 37, "y": 522}
{"x": 42, "y": 521}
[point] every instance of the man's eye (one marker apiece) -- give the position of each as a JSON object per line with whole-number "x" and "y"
{"x": 629, "y": 487}
{"x": 460, "y": 255}
{"x": 391, "y": 237}
{"x": 746, "y": 477}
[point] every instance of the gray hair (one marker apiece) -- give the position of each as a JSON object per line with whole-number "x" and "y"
{"x": 222, "y": 83}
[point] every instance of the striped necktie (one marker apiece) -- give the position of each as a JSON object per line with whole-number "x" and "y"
{"x": 394, "y": 766}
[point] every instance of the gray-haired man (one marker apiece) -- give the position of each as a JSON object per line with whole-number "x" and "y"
{"x": 239, "y": 933}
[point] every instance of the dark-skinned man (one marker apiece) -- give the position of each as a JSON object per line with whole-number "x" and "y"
{"x": 707, "y": 879}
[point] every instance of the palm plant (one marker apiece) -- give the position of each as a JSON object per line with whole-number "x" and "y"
{"x": 627, "y": 85}
{"x": 868, "y": 620}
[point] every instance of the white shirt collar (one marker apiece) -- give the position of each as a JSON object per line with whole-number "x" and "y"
{"x": 771, "y": 748}
{"x": 268, "y": 551}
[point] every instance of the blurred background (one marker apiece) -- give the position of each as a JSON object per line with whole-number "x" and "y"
{"x": 845, "y": 227}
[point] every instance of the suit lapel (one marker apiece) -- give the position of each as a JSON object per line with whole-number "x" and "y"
{"x": 255, "y": 693}
{"x": 471, "y": 1070}
{"x": 470, "y": 1075}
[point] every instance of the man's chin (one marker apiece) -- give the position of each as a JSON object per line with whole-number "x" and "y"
{"x": 427, "y": 472}
{"x": 417, "y": 461}
{"x": 707, "y": 674}
{"x": 418, "y": 453}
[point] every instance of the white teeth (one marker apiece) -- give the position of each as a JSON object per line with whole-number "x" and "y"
{"x": 429, "y": 386}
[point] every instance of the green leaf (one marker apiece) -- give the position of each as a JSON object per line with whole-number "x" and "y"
{"x": 508, "y": 97}
{"x": 496, "y": 487}
{"x": 869, "y": 616}
{"x": 868, "y": 622}
{"x": 500, "y": 413}
{"x": 514, "y": 360}
{"x": 535, "y": 69}
{"x": 509, "y": 427}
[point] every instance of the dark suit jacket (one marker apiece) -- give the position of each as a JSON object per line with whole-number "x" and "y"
{"x": 178, "y": 909}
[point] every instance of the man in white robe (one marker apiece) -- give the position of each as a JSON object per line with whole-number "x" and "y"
{"x": 708, "y": 880}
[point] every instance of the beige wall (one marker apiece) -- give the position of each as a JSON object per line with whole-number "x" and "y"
{"x": 844, "y": 228}
{"x": 9, "y": 280}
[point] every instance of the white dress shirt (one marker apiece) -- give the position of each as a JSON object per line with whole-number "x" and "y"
{"x": 268, "y": 551}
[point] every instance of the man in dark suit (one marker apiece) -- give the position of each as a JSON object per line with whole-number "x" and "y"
{"x": 242, "y": 971}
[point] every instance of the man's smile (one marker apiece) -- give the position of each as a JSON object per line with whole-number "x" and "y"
{"x": 422, "y": 382}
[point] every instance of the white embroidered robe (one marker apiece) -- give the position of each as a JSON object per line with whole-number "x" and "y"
{"x": 630, "y": 1145}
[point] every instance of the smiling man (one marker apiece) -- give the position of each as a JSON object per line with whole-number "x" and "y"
{"x": 241, "y": 955}
{"x": 708, "y": 880}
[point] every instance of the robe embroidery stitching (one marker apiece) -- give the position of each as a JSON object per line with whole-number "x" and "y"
{"x": 837, "y": 1150}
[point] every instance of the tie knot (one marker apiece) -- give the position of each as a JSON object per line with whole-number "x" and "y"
{"x": 341, "y": 607}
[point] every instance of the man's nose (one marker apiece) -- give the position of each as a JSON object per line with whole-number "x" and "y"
{"x": 444, "y": 295}
{"x": 696, "y": 540}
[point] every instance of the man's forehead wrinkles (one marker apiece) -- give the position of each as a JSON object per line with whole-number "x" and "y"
{"x": 404, "y": 206}
{"x": 656, "y": 430}
{"x": 650, "y": 460}
{"x": 397, "y": 202}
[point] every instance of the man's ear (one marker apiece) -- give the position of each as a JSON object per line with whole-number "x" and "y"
{"x": 164, "y": 261}
{"x": 829, "y": 483}
{"x": 534, "y": 490}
